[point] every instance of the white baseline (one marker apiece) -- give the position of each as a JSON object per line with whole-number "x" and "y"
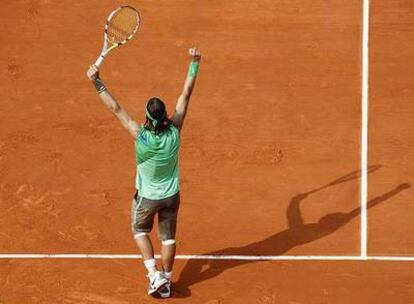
{"x": 215, "y": 257}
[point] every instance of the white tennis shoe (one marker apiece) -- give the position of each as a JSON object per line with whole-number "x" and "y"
{"x": 156, "y": 282}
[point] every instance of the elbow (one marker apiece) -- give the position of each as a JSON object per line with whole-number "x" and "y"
{"x": 115, "y": 108}
{"x": 186, "y": 94}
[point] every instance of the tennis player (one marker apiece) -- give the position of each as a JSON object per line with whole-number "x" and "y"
{"x": 157, "y": 143}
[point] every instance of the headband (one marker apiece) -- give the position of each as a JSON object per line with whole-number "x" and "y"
{"x": 154, "y": 121}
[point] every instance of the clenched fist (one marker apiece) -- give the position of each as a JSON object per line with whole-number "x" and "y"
{"x": 92, "y": 72}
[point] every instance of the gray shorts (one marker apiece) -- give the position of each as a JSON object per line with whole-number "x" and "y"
{"x": 143, "y": 211}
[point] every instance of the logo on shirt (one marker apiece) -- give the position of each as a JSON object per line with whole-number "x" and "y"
{"x": 143, "y": 138}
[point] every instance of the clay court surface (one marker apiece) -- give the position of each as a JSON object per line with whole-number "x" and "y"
{"x": 270, "y": 154}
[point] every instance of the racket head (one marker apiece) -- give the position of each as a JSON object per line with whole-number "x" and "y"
{"x": 122, "y": 25}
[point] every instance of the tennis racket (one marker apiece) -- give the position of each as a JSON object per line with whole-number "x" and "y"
{"x": 121, "y": 26}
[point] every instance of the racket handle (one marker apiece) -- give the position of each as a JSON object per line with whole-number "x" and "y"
{"x": 99, "y": 61}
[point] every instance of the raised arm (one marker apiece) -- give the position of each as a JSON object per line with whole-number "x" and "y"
{"x": 184, "y": 99}
{"x": 111, "y": 103}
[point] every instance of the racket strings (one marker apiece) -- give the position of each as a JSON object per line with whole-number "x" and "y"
{"x": 123, "y": 24}
{"x": 117, "y": 34}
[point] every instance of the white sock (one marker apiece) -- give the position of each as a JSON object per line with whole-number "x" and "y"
{"x": 151, "y": 266}
{"x": 167, "y": 275}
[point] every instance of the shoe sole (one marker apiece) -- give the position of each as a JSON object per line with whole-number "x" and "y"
{"x": 164, "y": 296}
{"x": 157, "y": 295}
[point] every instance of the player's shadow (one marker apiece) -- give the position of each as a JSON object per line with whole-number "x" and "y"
{"x": 297, "y": 234}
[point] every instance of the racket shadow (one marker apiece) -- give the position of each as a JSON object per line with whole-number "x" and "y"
{"x": 297, "y": 234}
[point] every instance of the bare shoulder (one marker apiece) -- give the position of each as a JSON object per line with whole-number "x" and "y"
{"x": 177, "y": 120}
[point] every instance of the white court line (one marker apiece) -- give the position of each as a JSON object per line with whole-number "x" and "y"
{"x": 364, "y": 129}
{"x": 214, "y": 257}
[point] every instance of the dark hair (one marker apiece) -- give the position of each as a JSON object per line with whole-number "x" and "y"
{"x": 156, "y": 109}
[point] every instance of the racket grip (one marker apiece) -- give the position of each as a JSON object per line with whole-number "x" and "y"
{"x": 99, "y": 61}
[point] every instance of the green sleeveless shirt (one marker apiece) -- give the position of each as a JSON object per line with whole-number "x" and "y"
{"x": 157, "y": 163}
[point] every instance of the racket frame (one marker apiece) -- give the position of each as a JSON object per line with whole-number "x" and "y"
{"x": 105, "y": 49}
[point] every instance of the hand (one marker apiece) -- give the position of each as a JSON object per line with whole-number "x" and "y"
{"x": 195, "y": 54}
{"x": 92, "y": 72}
